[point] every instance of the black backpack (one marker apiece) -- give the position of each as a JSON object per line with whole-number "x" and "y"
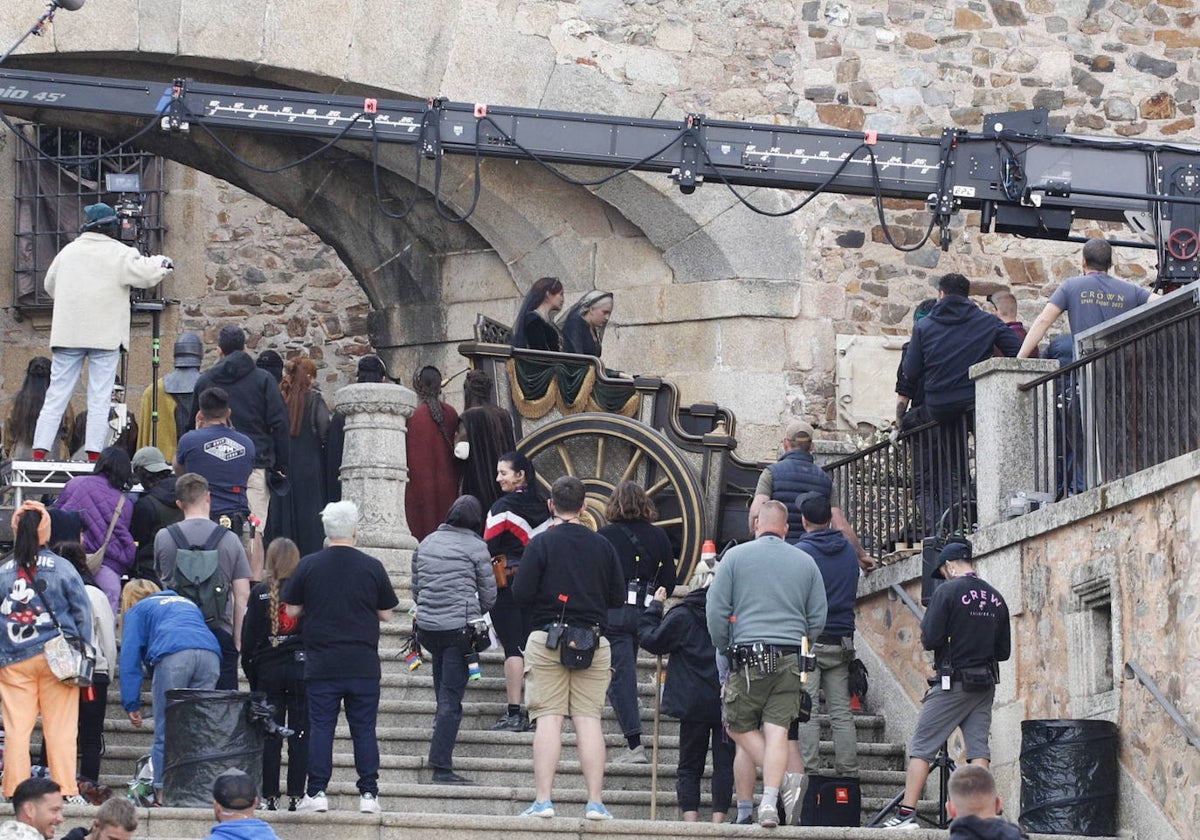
{"x": 198, "y": 575}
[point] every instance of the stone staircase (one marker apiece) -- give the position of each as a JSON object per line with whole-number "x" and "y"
{"x": 501, "y": 765}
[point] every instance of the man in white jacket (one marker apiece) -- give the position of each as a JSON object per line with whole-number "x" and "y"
{"x": 90, "y": 281}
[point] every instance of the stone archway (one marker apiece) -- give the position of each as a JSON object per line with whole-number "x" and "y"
{"x": 535, "y": 223}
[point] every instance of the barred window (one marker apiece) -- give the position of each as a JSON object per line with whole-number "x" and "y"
{"x": 59, "y": 171}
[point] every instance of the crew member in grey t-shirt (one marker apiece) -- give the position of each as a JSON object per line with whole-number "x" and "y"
{"x": 194, "y": 499}
{"x": 1089, "y": 299}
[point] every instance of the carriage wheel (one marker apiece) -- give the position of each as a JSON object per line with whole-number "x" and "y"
{"x": 603, "y": 450}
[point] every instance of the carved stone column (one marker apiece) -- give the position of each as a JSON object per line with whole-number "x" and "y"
{"x": 375, "y": 464}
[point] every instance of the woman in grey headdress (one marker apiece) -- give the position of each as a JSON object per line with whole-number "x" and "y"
{"x": 583, "y": 327}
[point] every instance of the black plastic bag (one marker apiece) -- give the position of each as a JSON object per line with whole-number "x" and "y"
{"x": 1069, "y": 777}
{"x": 209, "y": 732}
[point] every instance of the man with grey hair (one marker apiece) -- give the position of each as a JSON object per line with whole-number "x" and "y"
{"x": 343, "y": 594}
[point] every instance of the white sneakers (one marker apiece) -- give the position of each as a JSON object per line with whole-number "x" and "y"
{"x": 315, "y": 804}
{"x": 368, "y": 803}
{"x": 318, "y": 803}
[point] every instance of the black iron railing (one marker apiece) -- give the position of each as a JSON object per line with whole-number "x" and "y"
{"x": 1119, "y": 410}
{"x": 921, "y": 484}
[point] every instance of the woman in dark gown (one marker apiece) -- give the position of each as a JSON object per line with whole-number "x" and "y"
{"x": 299, "y": 512}
{"x": 432, "y": 468}
{"x": 533, "y": 328}
{"x": 583, "y": 328}
{"x": 485, "y": 432}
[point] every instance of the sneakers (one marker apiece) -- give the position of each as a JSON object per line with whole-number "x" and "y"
{"x": 792, "y": 794}
{"x": 76, "y": 800}
{"x": 368, "y": 803}
{"x": 541, "y": 809}
{"x": 315, "y": 804}
{"x": 903, "y": 822}
{"x": 269, "y": 803}
{"x": 768, "y": 817}
{"x": 747, "y": 820}
{"x": 449, "y": 777}
{"x": 293, "y": 801}
{"x": 597, "y": 811}
{"x": 637, "y": 755}
{"x": 513, "y": 723}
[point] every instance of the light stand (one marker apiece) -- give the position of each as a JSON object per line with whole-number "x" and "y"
{"x": 155, "y": 308}
{"x": 945, "y": 766}
{"x": 39, "y": 26}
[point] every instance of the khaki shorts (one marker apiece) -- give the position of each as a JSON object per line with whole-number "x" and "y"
{"x": 770, "y": 698}
{"x": 258, "y": 496}
{"x": 551, "y": 689}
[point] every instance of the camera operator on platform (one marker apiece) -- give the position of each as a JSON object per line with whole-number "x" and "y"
{"x": 90, "y": 281}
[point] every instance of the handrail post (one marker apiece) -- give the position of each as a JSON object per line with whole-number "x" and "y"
{"x": 1004, "y": 424}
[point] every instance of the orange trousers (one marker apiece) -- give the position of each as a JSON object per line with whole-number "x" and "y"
{"x": 28, "y": 688}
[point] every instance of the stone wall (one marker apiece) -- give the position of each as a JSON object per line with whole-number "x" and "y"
{"x": 1093, "y": 582}
{"x": 735, "y": 307}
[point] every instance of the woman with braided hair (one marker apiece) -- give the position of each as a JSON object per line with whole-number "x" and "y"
{"x": 432, "y": 468}
{"x": 299, "y": 512}
{"x": 273, "y": 660}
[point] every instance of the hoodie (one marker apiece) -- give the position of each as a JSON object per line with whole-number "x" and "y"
{"x": 838, "y": 562}
{"x": 971, "y": 827}
{"x": 258, "y": 409}
{"x": 693, "y": 690}
{"x": 956, "y": 335}
{"x": 249, "y": 829}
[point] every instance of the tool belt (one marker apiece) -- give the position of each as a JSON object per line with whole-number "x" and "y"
{"x": 759, "y": 656}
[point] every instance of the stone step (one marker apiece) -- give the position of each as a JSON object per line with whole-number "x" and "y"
{"x": 396, "y": 771}
{"x": 407, "y": 724}
{"x": 406, "y": 762}
{"x": 395, "y": 824}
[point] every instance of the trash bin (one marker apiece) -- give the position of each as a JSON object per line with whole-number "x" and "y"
{"x": 1069, "y": 777}
{"x": 208, "y": 732}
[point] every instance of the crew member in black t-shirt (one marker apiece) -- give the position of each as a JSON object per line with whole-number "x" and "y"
{"x": 966, "y": 627}
{"x": 568, "y": 576}
{"x": 343, "y": 595}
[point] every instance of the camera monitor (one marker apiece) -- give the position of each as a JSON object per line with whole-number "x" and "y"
{"x": 122, "y": 182}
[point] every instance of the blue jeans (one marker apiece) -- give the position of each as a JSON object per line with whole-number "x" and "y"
{"x": 448, "y": 649}
{"x": 191, "y": 668}
{"x": 622, "y": 691}
{"x": 361, "y": 699}
{"x": 65, "y": 369}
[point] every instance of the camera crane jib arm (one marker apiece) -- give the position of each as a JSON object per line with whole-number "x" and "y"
{"x": 1021, "y": 173}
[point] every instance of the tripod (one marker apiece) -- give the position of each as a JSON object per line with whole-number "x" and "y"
{"x": 944, "y": 766}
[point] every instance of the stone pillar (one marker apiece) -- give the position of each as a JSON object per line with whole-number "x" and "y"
{"x": 375, "y": 464}
{"x": 1005, "y": 456}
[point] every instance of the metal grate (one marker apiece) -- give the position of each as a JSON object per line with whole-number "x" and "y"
{"x": 57, "y": 175}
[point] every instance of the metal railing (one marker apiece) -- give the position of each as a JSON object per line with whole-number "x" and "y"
{"x": 1119, "y": 410}
{"x": 1134, "y": 671}
{"x": 921, "y": 484}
